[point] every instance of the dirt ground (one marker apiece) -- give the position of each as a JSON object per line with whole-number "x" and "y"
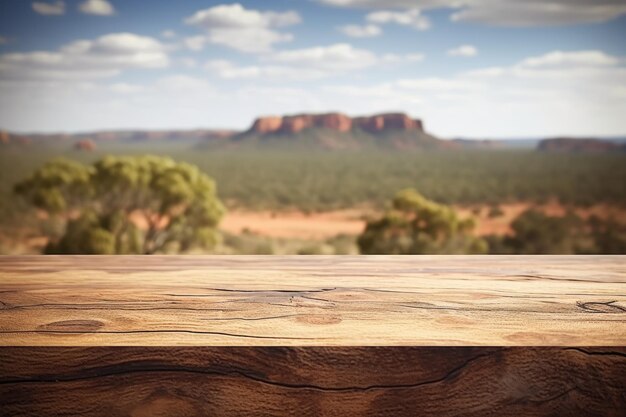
{"x": 323, "y": 225}
{"x": 295, "y": 224}
{"x": 320, "y": 226}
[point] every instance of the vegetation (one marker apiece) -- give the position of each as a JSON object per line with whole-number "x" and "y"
{"x": 416, "y": 225}
{"x": 609, "y": 236}
{"x": 495, "y": 211}
{"x": 317, "y": 180}
{"x": 101, "y": 207}
{"x": 534, "y": 232}
{"x": 276, "y": 179}
{"x": 537, "y": 233}
{"x": 249, "y": 243}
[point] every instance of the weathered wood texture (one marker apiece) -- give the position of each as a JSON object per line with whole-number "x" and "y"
{"x": 310, "y": 336}
{"x": 313, "y": 381}
{"x": 305, "y": 301}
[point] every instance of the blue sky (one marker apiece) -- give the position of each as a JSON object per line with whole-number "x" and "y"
{"x": 470, "y": 68}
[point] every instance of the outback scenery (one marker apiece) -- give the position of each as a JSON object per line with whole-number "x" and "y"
{"x": 313, "y": 127}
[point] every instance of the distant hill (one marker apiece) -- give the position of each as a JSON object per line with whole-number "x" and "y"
{"x": 577, "y": 145}
{"x": 504, "y": 144}
{"x": 326, "y": 131}
{"x": 339, "y": 131}
{"x": 478, "y": 143}
{"x": 80, "y": 139}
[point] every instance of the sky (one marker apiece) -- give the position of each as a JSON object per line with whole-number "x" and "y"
{"x": 467, "y": 68}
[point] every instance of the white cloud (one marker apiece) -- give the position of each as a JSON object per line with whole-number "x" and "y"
{"x": 251, "y": 40}
{"x": 463, "y": 50}
{"x": 357, "y": 31}
{"x": 97, "y": 7}
{"x": 227, "y": 70}
{"x": 49, "y": 9}
{"x": 395, "y": 58}
{"x": 183, "y": 83}
{"x": 299, "y": 64}
{"x": 195, "y": 43}
{"x": 189, "y": 62}
{"x": 105, "y": 56}
{"x": 411, "y": 17}
{"x": 438, "y": 84}
{"x": 126, "y": 88}
{"x": 557, "y": 93}
{"x": 308, "y": 63}
{"x": 540, "y": 12}
{"x": 170, "y": 102}
{"x": 415, "y": 57}
{"x": 236, "y": 16}
{"x": 337, "y": 57}
{"x": 507, "y": 12}
{"x": 168, "y": 34}
{"x": 570, "y": 59}
{"x": 243, "y": 29}
{"x": 559, "y": 67}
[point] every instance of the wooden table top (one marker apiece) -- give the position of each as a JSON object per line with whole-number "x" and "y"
{"x": 313, "y": 301}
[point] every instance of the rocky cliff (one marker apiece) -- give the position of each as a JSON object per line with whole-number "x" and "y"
{"x": 86, "y": 145}
{"x": 335, "y": 121}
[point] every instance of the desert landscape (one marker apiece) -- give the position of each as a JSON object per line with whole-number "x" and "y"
{"x": 320, "y": 127}
{"x": 323, "y": 225}
{"x": 311, "y": 183}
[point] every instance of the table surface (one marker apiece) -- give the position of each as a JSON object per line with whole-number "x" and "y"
{"x": 313, "y": 301}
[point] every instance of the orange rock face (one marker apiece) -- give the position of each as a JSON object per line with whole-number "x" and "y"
{"x": 370, "y": 124}
{"x": 335, "y": 121}
{"x": 395, "y": 121}
{"x": 85, "y": 145}
{"x": 4, "y": 138}
{"x": 267, "y": 124}
{"x": 295, "y": 124}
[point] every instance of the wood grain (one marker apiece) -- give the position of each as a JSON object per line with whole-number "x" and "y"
{"x": 313, "y": 301}
{"x": 313, "y": 336}
{"x": 313, "y": 381}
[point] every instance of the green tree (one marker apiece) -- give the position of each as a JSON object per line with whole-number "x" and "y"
{"x": 609, "y": 235}
{"x": 124, "y": 205}
{"x": 534, "y": 232}
{"x": 416, "y": 225}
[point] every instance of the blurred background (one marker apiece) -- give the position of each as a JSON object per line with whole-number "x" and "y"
{"x": 313, "y": 127}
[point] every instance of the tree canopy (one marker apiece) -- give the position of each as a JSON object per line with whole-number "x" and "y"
{"x": 535, "y": 232}
{"x": 126, "y": 204}
{"x": 416, "y": 225}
